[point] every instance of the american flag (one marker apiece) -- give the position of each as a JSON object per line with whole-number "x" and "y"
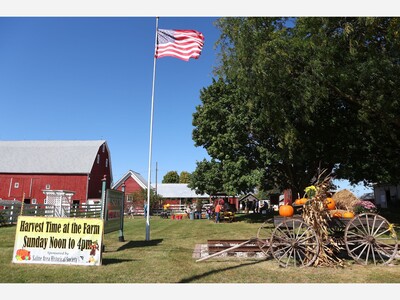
{"x": 182, "y": 44}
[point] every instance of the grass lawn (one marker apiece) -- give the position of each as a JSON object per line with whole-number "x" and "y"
{"x": 169, "y": 258}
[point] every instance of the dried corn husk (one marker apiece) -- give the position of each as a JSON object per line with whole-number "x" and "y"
{"x": 315, "y": 214}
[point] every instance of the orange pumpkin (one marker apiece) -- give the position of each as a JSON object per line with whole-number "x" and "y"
{"x": 286, "y": 210}
{"x": 330, "y": 203}
{"x": 348, "y": 215}
{"x": 23, "y": 254}
{"x": 300, "y": 201}
{"x": 337, "y": 214}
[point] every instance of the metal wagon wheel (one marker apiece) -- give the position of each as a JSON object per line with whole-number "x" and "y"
{"x": 294, "y": 243}
{"x": 264, "y": 236}
{"x": 370, "y": 238}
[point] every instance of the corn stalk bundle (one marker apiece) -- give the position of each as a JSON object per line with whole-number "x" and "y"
{"x": 316, "y": 215}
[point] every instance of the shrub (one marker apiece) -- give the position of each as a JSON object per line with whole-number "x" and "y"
{"x": 2, "y": 218}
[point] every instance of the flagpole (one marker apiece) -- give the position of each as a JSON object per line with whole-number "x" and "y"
{"x": 151, "y": 141}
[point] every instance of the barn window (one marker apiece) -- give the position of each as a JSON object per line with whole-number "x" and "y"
{"x": 47, "y": 186}
{"x": 98, "y": 158}
{"x": 16, "y": 185}
{"x": 34, "y": 201}
{"x": 104, "y": 148}
{"x": 106, "y": 162}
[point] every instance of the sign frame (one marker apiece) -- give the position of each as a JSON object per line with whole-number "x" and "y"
{"x": 53, "y": 240}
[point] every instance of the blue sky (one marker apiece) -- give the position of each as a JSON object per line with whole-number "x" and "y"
{"x": 84, "y": 78}
{"x": 83, "y": 72}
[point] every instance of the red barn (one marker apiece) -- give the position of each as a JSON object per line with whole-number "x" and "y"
{"x": 29, "y": 168}
{"x": 171, "y": 193}
{"x": 134, "y": 182}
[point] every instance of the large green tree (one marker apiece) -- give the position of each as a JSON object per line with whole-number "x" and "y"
{"x": 292, "y": 96}
{"x": 206, "y": 179}
{"x": 171, "y": 177}
{"x": 184, "y": 177}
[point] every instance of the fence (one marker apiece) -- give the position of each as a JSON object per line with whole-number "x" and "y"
{"x": 172, "y": 209}
{"x": 86, "y": 211}
{"x": 9, "y": 214}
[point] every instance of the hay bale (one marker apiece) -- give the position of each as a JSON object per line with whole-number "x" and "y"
{"x": 345, "y": 199}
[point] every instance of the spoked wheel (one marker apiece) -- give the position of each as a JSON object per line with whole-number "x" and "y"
{"x": 264, "y": 235}
{"x": 370, "y": 238}
{"x": 336, "y": 229}
{"x": 294, "y": 243}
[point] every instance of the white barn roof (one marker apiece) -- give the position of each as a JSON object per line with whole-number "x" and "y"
{"x": 68, "y": 157}
{"x": 177, "y": 190}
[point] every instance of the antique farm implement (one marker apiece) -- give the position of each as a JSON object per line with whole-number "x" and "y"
{"x": 313, "y": 233}
{"x": 367, "y": 238}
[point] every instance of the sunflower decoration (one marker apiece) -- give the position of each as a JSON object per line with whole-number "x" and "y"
{"x": 310, "y": 191}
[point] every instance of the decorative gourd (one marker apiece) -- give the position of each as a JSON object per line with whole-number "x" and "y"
{"x": 330, "y": 203}
{"x": 337, "y": 214}
{"x": 286, "y": 210}
{"x": 300, "y": 201}
{"x": 348, "y": 215}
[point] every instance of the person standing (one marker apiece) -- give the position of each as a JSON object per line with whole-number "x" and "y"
{"x": 188, "y": 211}
{"x": 199, "y": 208}
{"x": 130, "y": 212}
{"x": 217, "y": 211}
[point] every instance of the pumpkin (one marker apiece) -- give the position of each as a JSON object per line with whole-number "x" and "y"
{"x": 337, "y": 214}
{"x": 286, "y": 210}
{"x": 330, "y": 203}
{"x": 348, "y": 215}
{"x": 300, "y": 201}
{"x": 23, "y": 254}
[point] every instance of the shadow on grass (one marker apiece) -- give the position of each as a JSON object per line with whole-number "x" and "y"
{"x": 139, "y": 244}
{"x": 253, "y": 217}
{"x": 197, "y": 277}
{"x": 4, "y": 225}
{"x": 110, "y": 261}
